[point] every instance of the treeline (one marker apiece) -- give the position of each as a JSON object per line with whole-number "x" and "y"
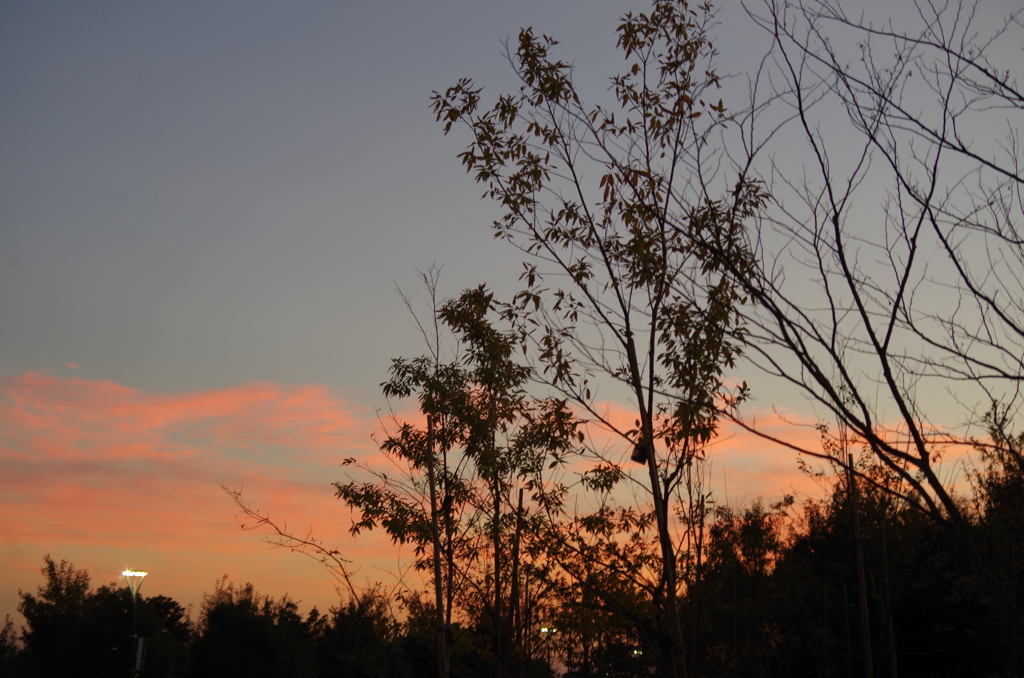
{"x": 72, "y": 630}
{"x": 777, "y": 594}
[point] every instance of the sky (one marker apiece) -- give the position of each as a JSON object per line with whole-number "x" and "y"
{"x": 205, "y": 212}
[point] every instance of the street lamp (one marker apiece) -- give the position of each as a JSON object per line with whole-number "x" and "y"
{"x": 546, "y": 632}
{"x": 134, "y": 579}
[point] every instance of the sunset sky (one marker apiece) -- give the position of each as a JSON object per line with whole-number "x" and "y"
{"x": 205, "y": 210}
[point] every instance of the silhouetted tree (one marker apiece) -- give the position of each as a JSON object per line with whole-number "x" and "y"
{"x": 1000, "y": 496}
{"x": 889, "y": 268}
{"x": 607, "y": 200}
{"x": 10, "y": 651}
{"x": 58, "y": 638}
{"x": 73, "y": 630}
{"x": 360, "y": 638}
{"x": 166, "y": 626}
{"x": 427, "y": 499}
{"x": 456, "y": 495}
{"x": 242, "y": 633}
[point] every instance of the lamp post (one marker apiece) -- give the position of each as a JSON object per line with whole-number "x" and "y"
{"x": 546, "y": 633}
{"x": 134, "y": 579}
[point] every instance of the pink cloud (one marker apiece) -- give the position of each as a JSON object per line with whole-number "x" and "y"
{"x": 84, "y": 419}
{"x": 105, "y": 471}
{"x": 111, "y": 476}
{"x": 743, "y": 466}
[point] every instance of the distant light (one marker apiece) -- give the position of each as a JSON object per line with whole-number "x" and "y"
{"x": 134, "y": 578}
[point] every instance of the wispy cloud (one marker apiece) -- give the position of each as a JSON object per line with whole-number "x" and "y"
{"x": 86, "y": 450}
{"x": 742, "y": 466}
{"x": 96, "y": 465}
{"x": 105, "y": 471}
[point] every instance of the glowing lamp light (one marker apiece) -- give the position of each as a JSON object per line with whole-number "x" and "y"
{"x": 134, "y": 579}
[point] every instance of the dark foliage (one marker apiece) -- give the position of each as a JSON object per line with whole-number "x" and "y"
{"x": 73, "y": 630}
{"x": 781, "y": 593}
{"x": 242, "y": 633}
{"x": 779, "y": 597}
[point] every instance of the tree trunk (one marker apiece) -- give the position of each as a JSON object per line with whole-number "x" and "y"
{"x": 674, "y": 657}
{"x": 862, "y": 593}
{"x": 440, "y": 627}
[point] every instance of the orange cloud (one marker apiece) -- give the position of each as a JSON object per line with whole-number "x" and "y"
{"x": 743, "y": 466}
{"x": 111, "y": 477}
{"x": 114, "y": 474}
